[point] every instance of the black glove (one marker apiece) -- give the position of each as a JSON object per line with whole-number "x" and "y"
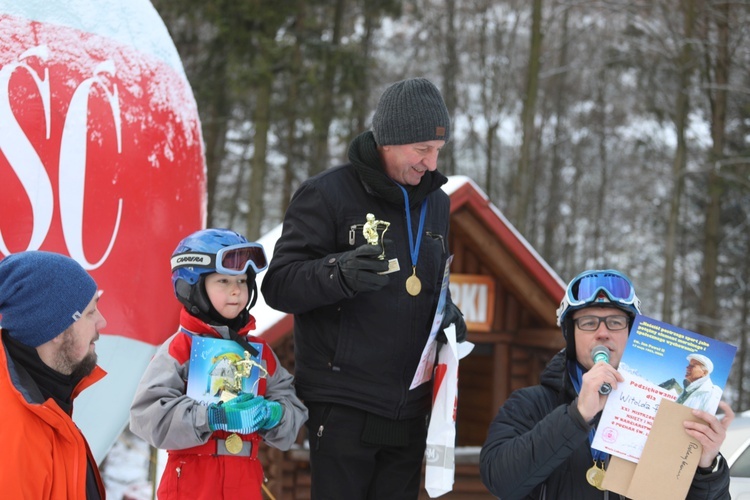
{"x": 360, "y": 268}
{"x": 452, "y": 314}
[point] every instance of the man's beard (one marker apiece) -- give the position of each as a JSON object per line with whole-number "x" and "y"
{"x": 85, "y": 366}
{"x": 66, "y": 363}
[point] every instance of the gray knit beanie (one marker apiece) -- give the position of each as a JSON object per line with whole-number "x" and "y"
{"x": 42, "y": 294}
{"x": 411, "y": 111}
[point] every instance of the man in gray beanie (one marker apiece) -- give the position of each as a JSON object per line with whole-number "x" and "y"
{"x": 363, "y": 309}
{"x": 49, "y": 322}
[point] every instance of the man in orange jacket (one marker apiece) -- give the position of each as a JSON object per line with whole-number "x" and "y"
{"x": 50, "y": 323}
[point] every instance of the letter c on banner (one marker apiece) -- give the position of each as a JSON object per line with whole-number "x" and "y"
{"x": 73, "y": 163}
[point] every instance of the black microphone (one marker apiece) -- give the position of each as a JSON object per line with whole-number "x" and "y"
{"x": 601, "y": 353}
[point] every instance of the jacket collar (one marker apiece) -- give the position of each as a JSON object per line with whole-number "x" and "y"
{"x": 37, "y": 382}
{"x": 364, "y": 156}
{"x": 196, "y": 325}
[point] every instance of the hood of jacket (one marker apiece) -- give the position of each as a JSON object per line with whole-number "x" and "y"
{"x": 555, "y": 376}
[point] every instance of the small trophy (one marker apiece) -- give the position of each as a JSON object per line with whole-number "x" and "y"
{"x": 242, "y": 369}
{"x": 371, "y": 230}
{"x": 374, "y": 230}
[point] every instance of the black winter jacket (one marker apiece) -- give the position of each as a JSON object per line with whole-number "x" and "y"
{"x": 537, "y": 447}
{"x": 359, "y": 349}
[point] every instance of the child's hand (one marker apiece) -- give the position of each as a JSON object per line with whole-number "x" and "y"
{"x": 244, "y": 414}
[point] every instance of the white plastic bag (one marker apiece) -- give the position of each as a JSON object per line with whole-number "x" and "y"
{"x": 441, "y": 434}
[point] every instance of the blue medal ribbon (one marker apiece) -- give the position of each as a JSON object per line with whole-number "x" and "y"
{"x": 414, "y": 245}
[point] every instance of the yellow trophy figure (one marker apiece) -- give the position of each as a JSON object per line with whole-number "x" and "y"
{"x": 371, "y": 234}
{"x": 242, "y": 369}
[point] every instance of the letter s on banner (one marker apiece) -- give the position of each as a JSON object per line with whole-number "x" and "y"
{"x": 20, "y": 153}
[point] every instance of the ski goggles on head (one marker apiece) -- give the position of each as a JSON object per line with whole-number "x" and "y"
{"x": 231, "y": 260}
{"x": 591, "y": 286}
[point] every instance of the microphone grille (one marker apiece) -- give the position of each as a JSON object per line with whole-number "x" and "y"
{"x": 600, "y": 351}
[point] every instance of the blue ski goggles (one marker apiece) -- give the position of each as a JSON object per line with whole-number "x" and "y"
{"x": 587, "y": 287}
{"x": 231, "y": 260}
{"x": 599, "y": 287}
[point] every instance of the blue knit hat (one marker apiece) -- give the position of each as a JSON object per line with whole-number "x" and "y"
{"x": 42, "y": 294}
{"x": 411, "y": 111}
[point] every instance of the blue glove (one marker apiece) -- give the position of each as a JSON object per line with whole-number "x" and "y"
{"x": 244, "y": 414}
{"x": 452, "y": 314}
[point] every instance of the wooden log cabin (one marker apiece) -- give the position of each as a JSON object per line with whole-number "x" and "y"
{"x": 508, "y": 295}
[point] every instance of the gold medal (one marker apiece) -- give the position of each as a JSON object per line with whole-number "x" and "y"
{"x": 233, "y": 444}
{"x": 595, "y": 476}
{"x": 413, "y": 285}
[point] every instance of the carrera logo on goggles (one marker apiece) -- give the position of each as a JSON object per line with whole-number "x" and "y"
{"x": 182, "y": 260}
{"x": 191, "y": 260}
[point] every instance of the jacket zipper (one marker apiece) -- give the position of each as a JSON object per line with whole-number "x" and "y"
{"x": 321, "y": 427}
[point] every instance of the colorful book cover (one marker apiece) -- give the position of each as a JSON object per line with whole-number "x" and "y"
{"x": 656, "y": 364}
{"x": 220, "y": 369}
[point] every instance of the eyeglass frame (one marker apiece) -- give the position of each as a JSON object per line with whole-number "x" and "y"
{"x": 602, "y": 319}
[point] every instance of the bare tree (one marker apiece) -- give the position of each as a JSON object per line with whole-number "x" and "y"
{"x": 553, "y": 219}
{"x": 716, "y": 75}
{"x": 451, "y": 73}
{"x": 686, "y": 66}
{"x": 522, "y": 181}
{"x": 324, "y": 112}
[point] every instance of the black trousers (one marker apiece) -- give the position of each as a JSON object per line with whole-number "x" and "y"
{"x": 345, "y": 467}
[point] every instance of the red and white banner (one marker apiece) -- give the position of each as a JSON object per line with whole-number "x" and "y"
{"x": 101, "y": 154}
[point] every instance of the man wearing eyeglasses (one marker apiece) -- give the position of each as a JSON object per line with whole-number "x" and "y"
{"x": 539, "y": 444}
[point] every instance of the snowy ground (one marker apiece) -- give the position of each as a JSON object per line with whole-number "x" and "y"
{"x": 125, "y": 471}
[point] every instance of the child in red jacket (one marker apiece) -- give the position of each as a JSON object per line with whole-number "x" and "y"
{"x": 213, "y": 446}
